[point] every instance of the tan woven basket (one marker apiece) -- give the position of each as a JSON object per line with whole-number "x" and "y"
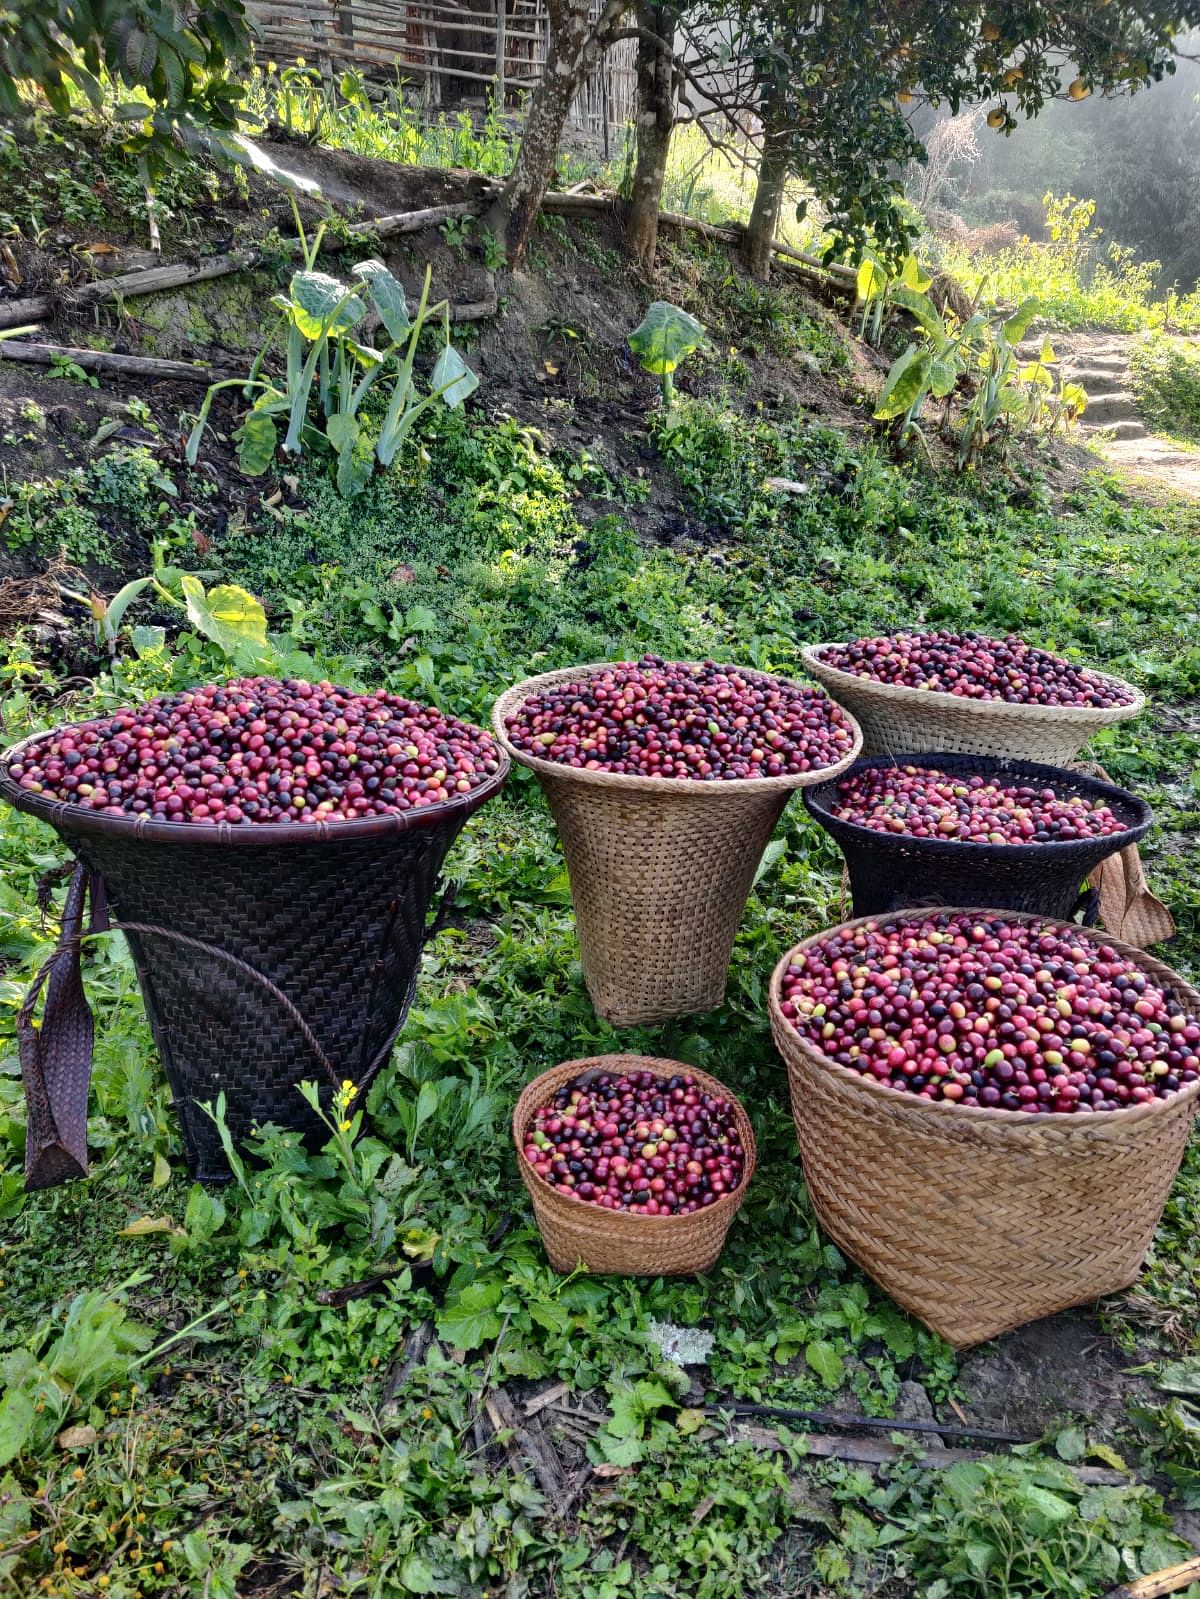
{"x": 979, "y": 1220}
{"x": 576, "y": 1232}
{"x": 660, "y": 869}
{"x": 902, "y": 721}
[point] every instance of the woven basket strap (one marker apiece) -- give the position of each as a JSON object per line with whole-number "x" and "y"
{"x": 56, "y": 1059}
{"x": 253, "y": 974}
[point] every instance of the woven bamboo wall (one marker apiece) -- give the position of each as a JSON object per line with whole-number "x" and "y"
{"x": 454, "y": 51}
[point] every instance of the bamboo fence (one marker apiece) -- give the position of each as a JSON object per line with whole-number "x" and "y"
{"x": 453, "y": 53}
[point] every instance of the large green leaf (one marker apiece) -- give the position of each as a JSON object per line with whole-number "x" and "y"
{"x": 920, "y": 306}
{"x": 453, "y": 377}
{"x": 943, "y": 375}
{"x": 904, "y": 384}
{"x": 665, "y": 335}
{"x": 386, "y": 295}
{"x": 912, "y": 276}
{"x": 257, "y": 441}
{"x": 472, "y": 1319}
{"x": 1015, "y": 329}
{"x": 321, "y": 305}
{"x": 227, "y": 614}
{"x": 826, "y": 1362}
{"x": 871, "y": 280}
{"x": 18, "y": 1419}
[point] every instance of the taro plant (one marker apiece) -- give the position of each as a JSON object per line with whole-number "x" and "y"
{"x": 879, "y": 291}
{"x": 664, "y": 337}
{"x": 320, "y": 318}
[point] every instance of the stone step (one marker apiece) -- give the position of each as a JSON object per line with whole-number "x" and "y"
{"x": 1096, "y": 383}
{"x": 1126, "y": 429}
{"x": 1117, "y": 407}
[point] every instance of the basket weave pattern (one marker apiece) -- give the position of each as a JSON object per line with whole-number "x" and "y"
{"x": 660, "y": 870}
{"x": 253, "y": 945}
{"x": 980, "y": 1220}
{"x": 889, "y": 871}
{"x": 576, "y": 1232}
{"x": 894, "y": 718}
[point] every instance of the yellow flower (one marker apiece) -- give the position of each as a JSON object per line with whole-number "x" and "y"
{"x": 78, "y": 1474}
{"x": 427, "y": 1414}
{"x": 346, "y": 1127}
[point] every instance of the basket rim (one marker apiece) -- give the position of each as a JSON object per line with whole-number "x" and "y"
{"x": 816, "y": 802}
{"x": 516, "y": 696}
{"x": 80, "y": 820}
{"x": 1023, "y": 1123}
{"x": 897, "y": 693}
{"x": 661, "y": 1066}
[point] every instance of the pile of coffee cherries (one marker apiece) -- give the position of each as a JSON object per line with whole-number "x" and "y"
{"x": 925, "y": 802}
{"x": 650, "y": 1145}
{"x": 1022, "y": 1016}
{"x": 261, "y": 750}
{"x": 975, "y": 667}
{"x": 656, "y": 718}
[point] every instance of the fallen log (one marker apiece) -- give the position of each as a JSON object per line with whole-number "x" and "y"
{"x": 127, "y": 285}
{"x": 1170, "y": 1580}
{"x": 143, "y": 366}
{"x": 879, "y": 1452}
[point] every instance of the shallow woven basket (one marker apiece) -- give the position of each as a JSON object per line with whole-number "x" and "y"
{"x": 267, "y": 954}
{"x": 576, "y": 1232}
{"x": 895, "y": 719}
{"x": 889, "y": 871}
{"x": 660, "y": 869}
{"x": 979, "y": 1220}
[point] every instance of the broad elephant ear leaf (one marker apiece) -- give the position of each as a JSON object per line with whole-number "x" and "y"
{"x": 664, "y": 337}
{"x": 257, "y": 442}
{"x": 321, "y": 305}
{"x": 905, "y": 381}
{"x": 226, "y": 614}
{"x": 386, "y": 295}
{"x": 453, "y": 377}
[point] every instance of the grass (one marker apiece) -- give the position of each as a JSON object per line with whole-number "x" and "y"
{"x": 262, "y": 1448}
{"x": 1166, "y": 381}
{"x": 185, "y": 1405}
{"x": 1080, "y": 282}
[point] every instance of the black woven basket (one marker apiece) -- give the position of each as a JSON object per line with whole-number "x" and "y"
{"x": 892, "y": 871}
{"x": 267, "y": 954}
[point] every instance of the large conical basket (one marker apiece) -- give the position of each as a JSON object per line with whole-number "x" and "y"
{"x": 979, "y": 1220}
{"x": 660, "y": 869}
{"x": 267, "y": 954}
{"x": 895, "y": 719}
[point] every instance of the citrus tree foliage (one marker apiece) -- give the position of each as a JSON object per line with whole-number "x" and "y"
{"x": 182, "y": 57}
{"x": 836, "y": 82}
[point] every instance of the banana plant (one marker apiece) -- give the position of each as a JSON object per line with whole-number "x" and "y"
{"x": 319, "y": 318}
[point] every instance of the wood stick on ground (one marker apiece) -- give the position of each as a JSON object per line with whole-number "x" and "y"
{"x": 142, "y": 366}
{"x": 126, "y": 285}
{"x": 530, "y": 1441}
{"x": 415, "y": 1346}
{"x": 833, "y": 1418}
{"x": 1170, "y": 1580}
{"x": 878, "y": 1452}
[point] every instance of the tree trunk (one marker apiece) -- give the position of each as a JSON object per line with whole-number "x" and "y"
{"x": 655, "y": 119}
{"x": 573, "y": 50}
{"x": 768, "y": 197}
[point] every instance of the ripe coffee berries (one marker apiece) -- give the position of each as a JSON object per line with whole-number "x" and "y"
{"x": 989, "y": 1012}
{"x": 261, "y": 750}
{"x": 973, "y": 666}
{"x": 925, "y": 802}
{"x": 655, "y": 718}
{"x": 651, "y": 1145}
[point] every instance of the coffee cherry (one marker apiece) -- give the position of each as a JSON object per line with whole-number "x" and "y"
{"x": 636, "y": 1142}
{"x": 926, "y": 802}
{"x": 985, "y": 1011}
{"x": 975, "y": 667}
{"x": 710, "y": 723}
{"x": 261, "y": 750}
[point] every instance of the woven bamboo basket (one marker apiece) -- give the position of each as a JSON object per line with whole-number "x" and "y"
{"x": 267, "y": 954}
{"x": 660, "y": 869}
{"x": 576, "y": 1232}
{"x": 889, "y": 871}
{"x": 895, "y": 719}
{"x": 979, "y": 1220}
